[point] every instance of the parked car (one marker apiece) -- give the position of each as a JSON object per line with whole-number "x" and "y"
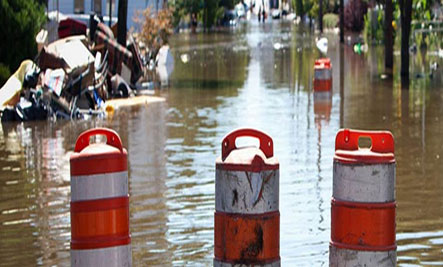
{"x": 230, "y": 19}
{"x": 275, "y": 14}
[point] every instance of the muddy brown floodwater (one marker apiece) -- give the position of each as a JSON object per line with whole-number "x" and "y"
{"x": 257, "y": 76}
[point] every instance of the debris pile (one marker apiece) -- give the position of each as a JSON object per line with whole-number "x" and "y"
{"x": 74, "y": 75}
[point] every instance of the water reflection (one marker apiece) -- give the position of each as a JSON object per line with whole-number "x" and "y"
{"x": 35, "y": 195}
{"x": 146, "y": 138}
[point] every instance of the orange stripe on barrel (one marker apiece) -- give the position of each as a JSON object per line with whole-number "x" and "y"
{"x": 322, "y": 85}
{"x": 363, "y": 226}
{"x": 248, "y": 239}
{"x": 84, "y": 164}
{"x": 100, "y": 223}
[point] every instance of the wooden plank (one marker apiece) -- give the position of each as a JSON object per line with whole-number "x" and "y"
{"x": 114, "y": 104}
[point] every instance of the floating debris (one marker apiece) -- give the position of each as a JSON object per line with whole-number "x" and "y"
{"x": 184, "y": 58}
{"x": 277, "y": 46}
{"x": 322, "y": 44}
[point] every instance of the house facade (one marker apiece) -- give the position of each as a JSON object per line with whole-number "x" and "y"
{"x": 85, "y": 7}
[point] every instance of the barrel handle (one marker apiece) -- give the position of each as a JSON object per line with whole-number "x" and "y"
{"x": 112, "y": 138}
{"x": 382, "y": 141}
{"x": 266, "y": 144}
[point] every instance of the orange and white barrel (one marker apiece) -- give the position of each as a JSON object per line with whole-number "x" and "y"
{"x": 247, "y": 217}
{"x": 363, "y": 200}
{"x": 323, "y": 75}
{"x": 100, "y": 202}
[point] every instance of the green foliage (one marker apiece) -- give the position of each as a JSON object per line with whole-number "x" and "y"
{"x": 212, "y": 13}
{"x": 4, "y": 74}
{"x": 422, "y": 20}
{"x": 228, "y": 4}
{"x": 330, "y": 20}
{"x": 421, "y": 10}
{"x": 424, "y": 36}
{"x": 299, "y": 10}
{"x": 310, "y": 7}
{"x": 182, "y": 9}
{"x": 374, "y": 24}
{"x": 207, "y": 11}
{"x": 21, "y": 20}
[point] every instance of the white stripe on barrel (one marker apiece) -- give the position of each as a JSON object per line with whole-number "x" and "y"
{"x": 112, "y": 256}
{"x": 364, "y": 183}
{"x": 98, "y": 186}
{"x": 347, "y": 257}
{"x": 247, "y": 192}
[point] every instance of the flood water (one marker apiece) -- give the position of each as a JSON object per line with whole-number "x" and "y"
{"x": 241, "y": 78}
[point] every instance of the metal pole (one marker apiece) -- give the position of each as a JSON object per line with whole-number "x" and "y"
{"x": 342, "y": 22}
{"x": 58, "y": 10}
{"x": 342, "y": 87}
{"x": 110, "y": 12}
{"x": 122, "y": 20}
{"x": 320, "y": 16}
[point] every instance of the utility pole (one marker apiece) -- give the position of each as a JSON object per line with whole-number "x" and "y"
{"x": 342, "y": 22}
{"x": 122, "y": 20}
{"x": 110, "y": 13}
{"x": 320, "y": 16}
{"x": 58, "y": 11}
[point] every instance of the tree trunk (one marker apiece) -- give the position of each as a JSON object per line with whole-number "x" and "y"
{"x": 406, "y": 10}
{"x": 320, "y": 16}
{"x": 122, "y": 20}
{"x": 342, "y": 22}
{"x": 299, "y": 10}
{"x": 389, "y": 60}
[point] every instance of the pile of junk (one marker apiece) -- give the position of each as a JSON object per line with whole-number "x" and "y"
{"x": 73, "y": 76}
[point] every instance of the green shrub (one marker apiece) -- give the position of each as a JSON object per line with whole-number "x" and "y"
{"x": 21, "y": 20}
{"x": 374, "y": 23}
{"x": 330, "y": 20}
{"x": 4, "y": 74}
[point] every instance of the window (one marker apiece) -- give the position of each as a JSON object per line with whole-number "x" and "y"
{"x": 79, "y": 6}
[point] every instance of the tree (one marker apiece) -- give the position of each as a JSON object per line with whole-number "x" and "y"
{"x": 405, "y": 16}
{"x": 156, "y": 27}
{"x": 342, "y": 22}
{"x": 21, "y": 20}
{"x": 320, "y": 16}
{"x": 184, "y": 8}
{"x": 207, "y": 11}
{"x": 299, "y": 8}
{"x": 354, "y": 13}
{"x": 212, "y": 12}
{"x": 389, "y": 44}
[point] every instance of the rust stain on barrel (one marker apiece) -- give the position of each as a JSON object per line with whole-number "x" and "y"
{"x": 235, "y": 197}
{"x": 246, "y": 238}
{"x": 255, "y": 247}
